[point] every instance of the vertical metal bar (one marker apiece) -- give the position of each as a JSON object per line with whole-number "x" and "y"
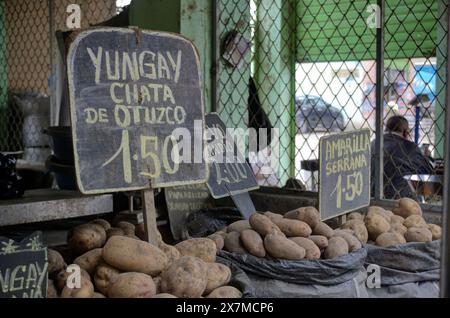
{"x": 445, "y": 251}
{"x": 215, "y": 56}
{"x": 52, "y": 79}
{"x": 379, "y": 104}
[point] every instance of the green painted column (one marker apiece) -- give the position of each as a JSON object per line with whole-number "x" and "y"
{"x": 156, "y": 15}
{"x": 274, "y": 73}
{"x": 3, "y": 81}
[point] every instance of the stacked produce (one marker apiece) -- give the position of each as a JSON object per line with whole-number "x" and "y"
{"x": 297, "y": 235}
{"x": 115, "y": 263}
{"x": 388, "y": 228}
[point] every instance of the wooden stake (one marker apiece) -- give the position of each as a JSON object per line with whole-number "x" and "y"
{"x": 149, "y": 213}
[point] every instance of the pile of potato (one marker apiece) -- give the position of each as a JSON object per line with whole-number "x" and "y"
{"x": 388, "y": 228}
{"x": 297, "y": 235}
{"x": 115, "y": 263}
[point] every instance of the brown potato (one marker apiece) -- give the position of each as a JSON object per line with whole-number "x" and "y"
{"x": 89, "y": 260}
{"x": 222, "y": 233}
{"x": 217, "y": 275}
{"x": 114, "y": 231}
{"x": 389, "y": 213}
{"x": 352, "y": 241}
{"x": 171, "y": 252}
{"x": 103, "y": 223}
{"x": 86, "y": 290}
{"x": 55, "y": 261}
{"x": 164, "y": 295}
{"x": 263, "y": 225}
{"x": 337, "y": 246}
{"x": 418, "y": 234}
{"x": 390, "y": 239}
{"x": 312, "y": 251}
{"x": 359, "y": 229}
{"x": 397, "y": 219}
{"x": 131, "y": 255}
{"x": 398, "y": 228}
{"x": 98, "y": 295}
{"x": 51, "y": 289}
{"x": 376, "y": 225}
{"x": 238, "y": 226}
{"x": 104, "y": 275}
{"x": 132, "y": 285}
{"x": 377, "y": 210}
{"x": 415, "y": 221}
{"x": 308, "y": 214}
{"x": 320, "y": 240}
{"x": 225, "y": 292}
{"x": 185, "y": 278}
{"x": 355, "y": 216}
{"x": 157, "y": 281}
{"x": 323, "y": 229}
{"x": 203, "y": 248}
{"x": 86, "y": 237}
{"x": 218, "y": 240}
{"x": 127, "y": 227}
{"x": 273, "y": 216}
{"x": 63, "y": 275}
{"x": 280, "y": 247}
{"x": 406, "y": 207}
{"x": 292, "y": 227}
{"x": 233, "y": 244}
{"x": 253, "y": 243}
{"x": 436, "y": 231}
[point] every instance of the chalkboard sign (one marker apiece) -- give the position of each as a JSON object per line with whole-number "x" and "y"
{"x": 182, "y": 201}
{"x": 232, "y": 175}
{"x": 344, "y": 173}
{"x": 134, "y": 96}
{"x": 23, "y": 268}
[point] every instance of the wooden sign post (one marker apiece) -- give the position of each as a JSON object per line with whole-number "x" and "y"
{"x": 344, "y": 173}
{"x": 134, "y": 95}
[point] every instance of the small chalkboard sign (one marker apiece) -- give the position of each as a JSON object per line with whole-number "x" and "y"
{"x": 344, "y": 173}
{"x": 134, "y": 96}
{"x": 23, "y": 268}
{"x": 231, "y": 174}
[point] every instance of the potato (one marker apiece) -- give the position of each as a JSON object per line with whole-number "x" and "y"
{"x": 376, "y": 225}
{"x": 337, "y": 246}
{"x": 376, "y": 210}
{"x": 418, "y": 234}
{"x": 86, "y": 290}
{"x": 389, "y": 213}
{"x": 293, "y": 227}
{"x": 323, "y": 229}
{"x": 415, "y": 221}
{"x": 398, "y": 228}
{"x": 406, "y": 207}
{"x": 98, "y": 295}
{"x": 238, "y": 226}
{"x": 89, "y": 260}
{"x": 104, "y": 275}
{"x": 273, "y": 216}
{"x": 218, "y": 240}
{"x": 164, "y": 295}
{"x": 263, "y": 225}
{"x": 132, "y": 285}
{"x": 397, "y": 219}
{"x": 55, "y": 261}
{"x": 233, "y": 244}
{"x": 217, "y": 275}
{"x": 131, "y": 255}
{"x": 86, "y": 237}
{"x": 222, "y": 233}
{"x": 171, "y": 252}
{"x": 280, "y": 247}
{"x": 114, "y": 231}
{"x": 436, "y": 231}
{"x": 157, "y": 281}
{"x": 225, "y": 292}
{"x": 312, "y": 251}
{"x": 127, "y": 227}
{"x": 253, "y": 243}
{"x": 390, "y": 239}
{"x": 203, "y": 248}
{"x": 103, "y": 223}
{"x": 51, "y": 289}
{"x": 320, "y": 240}
{"x": 63, "y": 275}
{"x": 308, "y": 214}
{"x": 355, "y": 216}
{"x": 185, "y": 278}
{"x": 359, "y": 228}
{"x": 352, "y": 241}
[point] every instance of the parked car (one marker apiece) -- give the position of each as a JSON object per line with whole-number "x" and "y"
{"x": 313, "y": 113}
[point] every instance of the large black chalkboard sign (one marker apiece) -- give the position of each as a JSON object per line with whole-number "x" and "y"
{"x": 344, "y": 180}
{"x": 23, "y": 268}
{"x": 228, "y": 177}
{"x": 129, "y": 91}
